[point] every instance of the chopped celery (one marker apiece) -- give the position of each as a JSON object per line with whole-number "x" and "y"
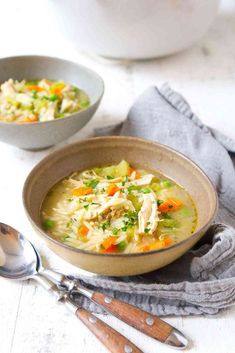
{"x": 122, "y": 245}
{"x": 115, "y": 231}
{"x": 13, "y": 102}
{"x": 132, "y": 187}
{"x": 166, "y": 216}
{"x": 34, "y": 94}
{"x": 166, "y": 183}
{"x": 84, "y": 104}
{"x": 75, "y": 89}
{"x": 156, "y": 187}
{"x": 26, "y": 107}
{"x": 48, "y": 224}
{"x": 185, "y": 212}
{"x": 115, "y": 171}
{"x": 135, "y": 201}
{"x": 53, "y": 97}
{"x": 122, "y": 169}
{"x": 130, "y": 234}
{"x": 169, "y": 223}
{"x": 145, "y": 190}
{"x": 108, "y": 171}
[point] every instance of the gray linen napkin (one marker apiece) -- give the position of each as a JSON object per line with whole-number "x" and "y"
{"x": 203, "y": 280}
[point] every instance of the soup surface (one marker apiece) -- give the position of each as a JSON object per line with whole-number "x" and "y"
{"x": 118, "y": 209}
{"x": 39, "y": 100}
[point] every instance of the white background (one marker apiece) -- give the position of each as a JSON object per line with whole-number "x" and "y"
{"x": 30, "y": 321}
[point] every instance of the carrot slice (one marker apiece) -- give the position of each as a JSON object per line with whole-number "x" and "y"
{"x": 158, "y": 244}
{"x": 144, "y": 248}
{"x": 170, "y": 205}
{"x": 29, "y": 119}
{"x": 113, "y": 248}
{"x": 35, "y": 88}
{"x": 33, "y": 117}
{"x": 167, "y": 241}
{"x": 57, "y": 88}
{"x": 112, "y": 189}
{"x": 131, "y": 170}
{"x": 83, "y": 230}
{"x": 107, "y": 243}
{"x": 82, "y": 191}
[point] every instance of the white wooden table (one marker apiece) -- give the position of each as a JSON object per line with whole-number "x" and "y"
{"x": 30, "y": 320}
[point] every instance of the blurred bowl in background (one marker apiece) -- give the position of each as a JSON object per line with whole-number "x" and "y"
{"x": 134, "y": 29}
{"x": 41, "y": 135}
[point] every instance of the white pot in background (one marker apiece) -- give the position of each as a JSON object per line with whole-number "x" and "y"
{"x": 134, "y": 29}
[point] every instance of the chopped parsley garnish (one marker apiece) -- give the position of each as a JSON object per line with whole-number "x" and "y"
{"x": 34, "y": 94}
{"x": 166, "y": 216}
{"x": 105, "y": 225}
{"x": 125, "y": 181}
{"x": 134, "y": 213}
{"x": 131, "y": 188}
{"x": 109, "y": 177}
{"x": 146, "y": 190}
{"x": 159, "y": 202}
{"x": 115, "y": 231}
{"x": 130, "y": 220}
{"x": 68, "y": 225}
{"x": 92, "y": 183}
{"x": 70, "y": 200}
{"x": 86, "y": 207}
{"x": 146, "y": 230}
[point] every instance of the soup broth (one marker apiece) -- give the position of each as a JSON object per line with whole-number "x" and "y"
{"x": 118, "y": 209}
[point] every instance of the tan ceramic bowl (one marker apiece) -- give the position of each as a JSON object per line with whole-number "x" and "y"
{"x": 140, "y": 153}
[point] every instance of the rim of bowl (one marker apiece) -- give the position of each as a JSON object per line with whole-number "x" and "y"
{"x": 94, "y": 73}
{"x": 88, "y": 252}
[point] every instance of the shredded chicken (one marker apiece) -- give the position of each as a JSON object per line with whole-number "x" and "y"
{"x": 7, "y": 88}
{"x": 148, "y": 215}
{"x": 116, "y": 201}
{"x": 145, "y": 180}
{"x": 48, "y": 113}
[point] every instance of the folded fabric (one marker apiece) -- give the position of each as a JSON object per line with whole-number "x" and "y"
{"x": 203, "y": 280}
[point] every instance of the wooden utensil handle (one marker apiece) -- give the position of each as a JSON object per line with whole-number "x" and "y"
{"x": 113, "y": 340}
{"x": 149, "y": 324}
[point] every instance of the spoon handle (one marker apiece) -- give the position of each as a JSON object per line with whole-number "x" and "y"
{"x": 111, "y": 339}
{"x": 149, "y": 324}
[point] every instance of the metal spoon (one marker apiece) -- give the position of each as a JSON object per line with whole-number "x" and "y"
{"x": 149, "y": 324}
{"x": 19, "y": 261}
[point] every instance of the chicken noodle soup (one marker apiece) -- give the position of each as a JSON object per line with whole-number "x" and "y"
{"x": 39, "y": 100}
{"x": 118, "y": 209}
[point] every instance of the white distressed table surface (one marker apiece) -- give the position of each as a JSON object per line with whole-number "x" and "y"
{"x": 30, "y": 320}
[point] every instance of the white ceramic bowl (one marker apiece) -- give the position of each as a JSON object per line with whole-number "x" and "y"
{"x": 40, "y": 135}
{"x": 134, "y": 29}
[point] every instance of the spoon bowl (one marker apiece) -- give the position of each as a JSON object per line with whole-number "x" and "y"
{"x": 18, "y": 259}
